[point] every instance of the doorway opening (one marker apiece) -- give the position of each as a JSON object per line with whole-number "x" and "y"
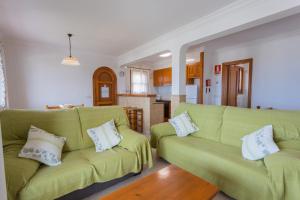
{"x": 237, "y": 83}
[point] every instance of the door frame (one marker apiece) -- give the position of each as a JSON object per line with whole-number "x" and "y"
{"x": 225, "y": 67}
{"x": 95, "y": 75}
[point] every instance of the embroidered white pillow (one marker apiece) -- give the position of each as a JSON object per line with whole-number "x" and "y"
{"x": 259, "y": 144}
{"x": 43, "y": 147}
{"x": 183, "y": 125}
{"x": 105, "y": 136}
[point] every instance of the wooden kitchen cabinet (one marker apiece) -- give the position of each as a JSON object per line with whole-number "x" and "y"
{"x": 162, "y": 77}
{"x": 167, "y": 74}
{"x": 157, "y": 78}
{"x": 194, "y": 70}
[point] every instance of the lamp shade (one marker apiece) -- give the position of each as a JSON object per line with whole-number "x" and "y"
{"x": 70, "y": 60}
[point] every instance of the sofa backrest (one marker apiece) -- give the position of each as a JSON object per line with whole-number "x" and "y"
{"x": 69, "y": 123}
{"x": 93, "y": 117}
{"x": 207, "y": 117}
{"x": 238, "y": 122}
{"x": 16, "y": 123}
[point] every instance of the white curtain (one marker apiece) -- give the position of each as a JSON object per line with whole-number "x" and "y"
{"x": 139, "y": 81}
{"x": 2, "y": 81}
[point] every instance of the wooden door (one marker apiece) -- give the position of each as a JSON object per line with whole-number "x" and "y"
{"x": 233, "y": 82}
{"x": 104, "y": 87}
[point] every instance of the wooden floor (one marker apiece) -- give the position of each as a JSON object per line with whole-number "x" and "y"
{"x": 169, "y": 183}
{"x": 159, "y": 164}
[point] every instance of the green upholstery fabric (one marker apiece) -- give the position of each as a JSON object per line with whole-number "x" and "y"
{"x": 134, "y": 142}
{"x": 93, "y": 117}
{"x": 16, "y": 123}
{"x": 78, "y": 170}
{"x": 207, "y": 118}
{"x": 284, "y": 172}
{"x": 81, "y": 165}
{"x": 215, "y": 153}
{"x": 18, "y": 171}
{"x": 219, "y": 164}
{"x": 160, "y": 130}
{"x": 238, "y": 122}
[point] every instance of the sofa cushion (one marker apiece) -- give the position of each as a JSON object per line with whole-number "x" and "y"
{"x": 78, "y": 170}
{"x": 219, "y": 164}
{"x": 238, "y": 122}
{"x": 207, "y": 118}
{"x": 43, "y": 147}
{"x": 65, "y": 123}
{"x": 259, "y": 144}
{"x": 96, "y": 116}
{"x": 75, "y": 172}
{"x": 105, "y": 136}
{"x": 18, "y": 171}
{"x": 183, "y": 124}
{"x": 112, "y": 163}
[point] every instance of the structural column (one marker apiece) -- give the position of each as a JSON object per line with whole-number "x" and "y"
{"x": 178, "y": 76}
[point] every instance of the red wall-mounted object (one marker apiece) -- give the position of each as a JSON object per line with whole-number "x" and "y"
{"x": 208, "y": 82}
{"x": 218, "y": 69}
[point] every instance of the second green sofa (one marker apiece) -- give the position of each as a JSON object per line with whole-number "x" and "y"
{"x": 214, "y": 152}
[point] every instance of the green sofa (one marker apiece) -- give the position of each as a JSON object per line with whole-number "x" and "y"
{"x": 214, "y": 152}
{"x": 81, "y": 165}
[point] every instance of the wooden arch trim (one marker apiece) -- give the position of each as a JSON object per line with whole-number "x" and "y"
{"x": 104, "y": 76}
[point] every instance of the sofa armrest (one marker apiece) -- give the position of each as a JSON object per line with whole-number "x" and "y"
{"x": 284, "y": 173}
{"x": 161, "y": 130}
{"x": 138, "y": 143}
{"x": 18, "y": 171}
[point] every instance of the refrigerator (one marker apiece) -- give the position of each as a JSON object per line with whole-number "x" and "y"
{"x": 192, "y": 94}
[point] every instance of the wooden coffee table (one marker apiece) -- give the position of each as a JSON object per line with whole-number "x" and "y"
{"x": 170, "y": 183}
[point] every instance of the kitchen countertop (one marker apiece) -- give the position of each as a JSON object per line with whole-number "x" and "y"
{"x": 137, "y": 95}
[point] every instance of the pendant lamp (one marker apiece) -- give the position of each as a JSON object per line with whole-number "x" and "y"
{"x": 70, "y": 60}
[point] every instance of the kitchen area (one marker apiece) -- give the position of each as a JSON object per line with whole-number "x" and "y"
{"x": 150, "y": 87}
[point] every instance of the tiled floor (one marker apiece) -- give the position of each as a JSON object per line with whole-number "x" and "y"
{"x": 159, "y": 163}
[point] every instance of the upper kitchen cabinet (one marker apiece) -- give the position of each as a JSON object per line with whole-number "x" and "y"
{"x": 157, "y": 78}
{"x": 162, "y": 77}
{"x": 194, "y": 70}
{"x": 167, "y": 74}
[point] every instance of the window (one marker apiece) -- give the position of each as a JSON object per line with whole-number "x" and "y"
{"x": 139, "y": 81}
{"x": 2, "y": 81}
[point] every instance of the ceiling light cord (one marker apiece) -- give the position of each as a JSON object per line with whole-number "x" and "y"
{"x": 70, "y": 47}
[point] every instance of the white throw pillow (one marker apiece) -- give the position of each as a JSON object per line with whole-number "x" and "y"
{"x": 105, "y": 136}
{"x": 43, "y": 147}
{"x": 259, "y": 144}
{"x": 183, "y": 125}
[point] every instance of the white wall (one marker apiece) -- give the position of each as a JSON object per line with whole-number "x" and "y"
{"x": 36, "y": 77}
{"x": 165, "y": 92}
{"x": 274, "y": 48}
{"x": 2, "y": 172}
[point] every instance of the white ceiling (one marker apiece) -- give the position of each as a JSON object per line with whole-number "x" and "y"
{"x": 107, "y": 26}
{"x": 155, "y": 61}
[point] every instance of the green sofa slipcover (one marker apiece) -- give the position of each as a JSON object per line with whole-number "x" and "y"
{"x": 214, "y": 152}
{"x": 81, "y": 165}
